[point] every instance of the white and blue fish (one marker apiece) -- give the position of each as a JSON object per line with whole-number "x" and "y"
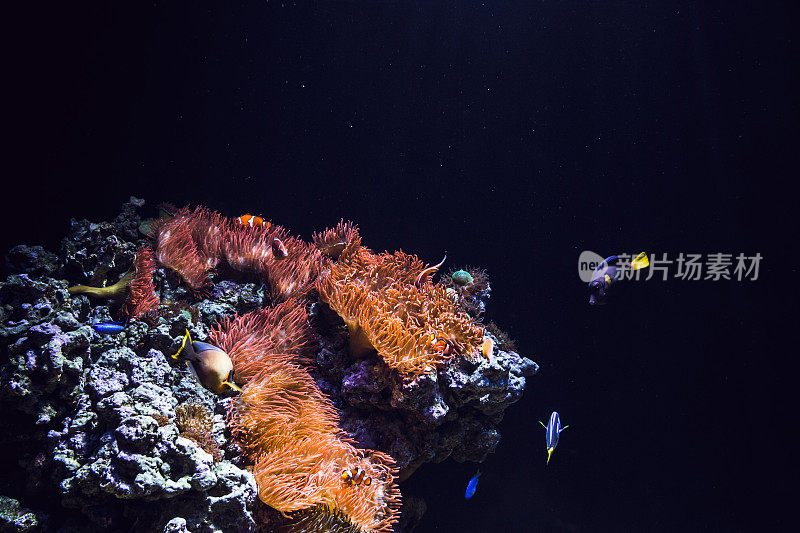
{"x": 552, "y": 430}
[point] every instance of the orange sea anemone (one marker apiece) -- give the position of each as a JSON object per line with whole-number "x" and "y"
{"x": 341, "y": 241}
{"x": 389, "y": 304}
{"x": 294, "y": 275}
{"x": 249, "y": 249}
{"x": 289, "y": 428}
{"x": 176, "y": 249}
{"x": 253, "y": 339}
{"x": 193, "y": 243}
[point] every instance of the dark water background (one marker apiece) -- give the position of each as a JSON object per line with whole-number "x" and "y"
{"x": 512, "y": 137}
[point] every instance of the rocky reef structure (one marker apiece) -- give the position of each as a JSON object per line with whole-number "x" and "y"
{"x": 104, "y": 432}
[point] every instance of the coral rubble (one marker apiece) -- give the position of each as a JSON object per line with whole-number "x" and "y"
{"x": 347, "y": 359}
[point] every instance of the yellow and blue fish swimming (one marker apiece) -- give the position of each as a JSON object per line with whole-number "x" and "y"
{"x": 552, "y": 430}
{"x": 608, "y": 273}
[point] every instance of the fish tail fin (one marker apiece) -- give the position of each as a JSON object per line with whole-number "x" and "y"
{"x": 187, "y": 337}
{"x": 549, "y": 453}
{"x": 641, "y": 261}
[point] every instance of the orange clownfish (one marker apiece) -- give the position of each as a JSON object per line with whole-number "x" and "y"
{"x": 250, "y": 220}
{"x": 357, "y": 476}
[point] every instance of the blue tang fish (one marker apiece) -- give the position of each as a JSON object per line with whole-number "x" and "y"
{"x": 608, "y": 273}
{"x": 552, "y": 430}
{"x": 472, "y": 486}
{"x": 110, "y": 327}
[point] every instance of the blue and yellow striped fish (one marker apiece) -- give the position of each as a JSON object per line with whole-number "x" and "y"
{"x": 552, "y": 430}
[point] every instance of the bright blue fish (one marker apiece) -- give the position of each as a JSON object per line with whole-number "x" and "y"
{"x": 552, "y": 430}
{"x": 108, "y": 327}
{"x": 472, "y": 486}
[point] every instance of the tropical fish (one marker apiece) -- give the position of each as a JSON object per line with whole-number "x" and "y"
{"x": 472, "y": 486}
{"x": 487, "y": 348}
{"x": 278, "y": 248}
{"x": 109, "y": 327}
{"x": 116, "y": 291}
{"x": 211, "y": 366}
{"x": 608, "y": 273}
{"x": 357, "y": 476}
{"x": 250, "y": 220}
{"x": 429, "y": 271}
{"x": 552, "y": 430}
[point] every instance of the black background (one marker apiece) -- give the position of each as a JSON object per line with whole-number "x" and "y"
{"x": 512, "y": 137}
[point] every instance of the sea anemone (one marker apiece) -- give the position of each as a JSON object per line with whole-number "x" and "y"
{"x": 253, "y": 339}
{"x": 141, "y": 298}
{"x": 289, "y": 429}
{"x": 177, "y": 250}
{"x": 294, "y": 275}
{"x": 319, "y": 518}
{"x": 193, "y": 243}
{"x": 388, "y": 305}
{"x": 342, "y": 241}
{"x": 195, "y": 422}
{"x": 249, "y": 248}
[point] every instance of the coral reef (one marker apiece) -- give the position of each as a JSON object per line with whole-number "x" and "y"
{"x": 381, "y": 371}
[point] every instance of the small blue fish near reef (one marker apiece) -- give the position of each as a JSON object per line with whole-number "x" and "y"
{"x": 108, "y": 328}
{"x": 609, "y": 273}
{"x": 472, "y": 486}
{"x": 552, "y": 430}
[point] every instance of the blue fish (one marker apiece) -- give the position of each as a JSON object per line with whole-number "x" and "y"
{"x": 608, "y": 273}
{"x": 472, "y": 486}
{"x": 552, "y": 430}
{"x": 108, "y": 327}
